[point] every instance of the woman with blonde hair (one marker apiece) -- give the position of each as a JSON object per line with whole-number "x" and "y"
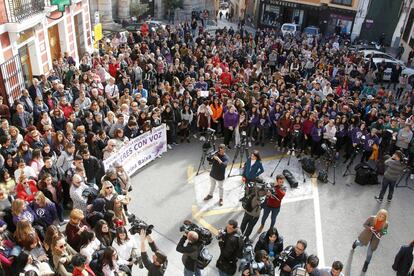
{"x": 21, "y": 211}
{"x": 375, "y": 227}
{"x": 15, "y": 136}
{"x": 24, "y": 229}
{"x": 45, "y": 209}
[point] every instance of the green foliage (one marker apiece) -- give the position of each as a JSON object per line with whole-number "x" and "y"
{"x": 174, "y": 4}
{"x": 138, "y": 9}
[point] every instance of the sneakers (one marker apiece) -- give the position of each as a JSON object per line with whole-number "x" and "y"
{"x": 169, "y": 147}
{"x": 378, "y": 199}
{"x": 354, "y": 245}
{"x": 411, "y": 176}
{"x": 389, "y": 200}
{"x": 288, "y": 152}
{"x": 221, "y": 202}
{"x": 293, "y": 153}
{"x": 208, "y": 197}
{"x": 260, "y": 229}
{"x": 249, "y": 144}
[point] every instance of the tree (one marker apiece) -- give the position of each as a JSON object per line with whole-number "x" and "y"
{"x": 173, "y": 4}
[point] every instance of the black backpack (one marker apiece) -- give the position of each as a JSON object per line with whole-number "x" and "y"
{"x": 204, "y": 257}
{"x": 293, "y": 183}
{"x": 308, "y": 165}
{"x": 365, "y": 175}
{"x": 247, "y": 202}
{"x": 323, "y": 176}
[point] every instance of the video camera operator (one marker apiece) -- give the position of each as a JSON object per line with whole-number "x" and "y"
{"x": 292, "y": 257}
{"x": 230, "y": 249}
{"x": 264, "y": 265}
{"x": 273, "y": 202}
{"x": 190, "y": 253}
{"x": 159, "y": 260}
{"x": 394, "y": 168}
{"x": 217, "y": 173}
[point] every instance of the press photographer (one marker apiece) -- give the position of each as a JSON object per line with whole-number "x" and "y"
{"x": 251, "y": 204}
{"x": 231, "y": 246}
{"x": 257, "y": 263}
{"x": 159, "y": 260}
{"x": 217, "y": 173}
{"x": 394, "y": 168}
{"x": 273, "y": 202}
{"x": 292, "y": 257}
{"x": 190, "y": 251}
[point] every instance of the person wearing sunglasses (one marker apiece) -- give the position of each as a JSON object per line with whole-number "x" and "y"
{"x": 62, "y": 256}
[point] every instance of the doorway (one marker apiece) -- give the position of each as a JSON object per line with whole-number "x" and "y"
{"x": 80, "y": 38}
{"x": 26, "y": 65}
{"x": 54, "y": 42}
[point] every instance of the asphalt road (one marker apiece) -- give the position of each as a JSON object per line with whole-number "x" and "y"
{"x": 329, "y": 217}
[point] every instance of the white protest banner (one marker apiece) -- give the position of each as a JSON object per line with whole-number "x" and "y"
{"x": 140, "y": 151}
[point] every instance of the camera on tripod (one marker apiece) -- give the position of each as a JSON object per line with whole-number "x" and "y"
{"x": 137, "y": 225}
{"x": 248, "y": 261}
{"x": 204, "y": 235}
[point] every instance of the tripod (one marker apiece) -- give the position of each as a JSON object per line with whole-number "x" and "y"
{"x": 348, "y": 170}
{"x": 406, "y": 175}
{"x": 206, "y": 151}
{"x": 328, "y": 164}
{"x": 240, "y": 150}
{"x": 291, "y": 151}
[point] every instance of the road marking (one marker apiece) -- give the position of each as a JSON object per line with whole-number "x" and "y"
{"x": 197, "y": 215}
{"x": 190, "y": 174}
{"x": 318, "y": 223}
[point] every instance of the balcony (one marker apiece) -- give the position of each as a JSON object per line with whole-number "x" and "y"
{"x": 19, "y": 10}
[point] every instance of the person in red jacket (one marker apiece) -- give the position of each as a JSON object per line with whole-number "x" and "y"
{"x": 26, "y": 189}
{"x": 226, "y": 77}
{"x": 80, "y": 266}
{"x": 273, "y": 202}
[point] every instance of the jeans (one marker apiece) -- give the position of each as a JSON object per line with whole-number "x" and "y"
{"x": 369, "y": 251}
{"x": 266, "y": 211}
{"x": 213, "y": 183}
{"x": 222, "y": 273}
{"x": 248, "y": 224}
{"x": 385, "y": 184}
{"x": 191, "y": 273}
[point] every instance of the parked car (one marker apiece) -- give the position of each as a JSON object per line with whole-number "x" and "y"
{"x": 290, "y": 29}
{"x": 390, "y": 64}
{"x": 312, "y": 31}
{"x": 367, "y": 54}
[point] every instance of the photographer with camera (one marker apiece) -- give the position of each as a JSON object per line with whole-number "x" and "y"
{"x": 292, "y": 257}
{"x": 262, "y": 265}
{"x": 217, "y": 173}
{"x": 273, "y": 202}
{"x": 394, "y": 168}
{"x": 230, "y": 249}
{"x": 190, "y": 253}
{"x": 159, "y": 260}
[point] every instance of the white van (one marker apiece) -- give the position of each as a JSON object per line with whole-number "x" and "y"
{"x": 290, "y": 28}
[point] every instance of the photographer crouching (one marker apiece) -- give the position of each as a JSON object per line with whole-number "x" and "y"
{"x": 394, "y": 168}
{"x": 159, "y": 260}
{"x": 217, "y": 173}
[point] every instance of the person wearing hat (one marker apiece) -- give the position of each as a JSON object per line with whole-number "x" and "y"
{"x": 393, "y": 171}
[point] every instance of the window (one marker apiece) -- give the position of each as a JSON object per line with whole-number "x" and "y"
{"x": 342, "y": 2}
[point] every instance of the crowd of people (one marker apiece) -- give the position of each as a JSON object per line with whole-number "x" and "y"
{"x": 296, "y": 92}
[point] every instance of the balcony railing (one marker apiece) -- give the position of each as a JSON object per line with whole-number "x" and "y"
{"x": 19, "y": 10}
